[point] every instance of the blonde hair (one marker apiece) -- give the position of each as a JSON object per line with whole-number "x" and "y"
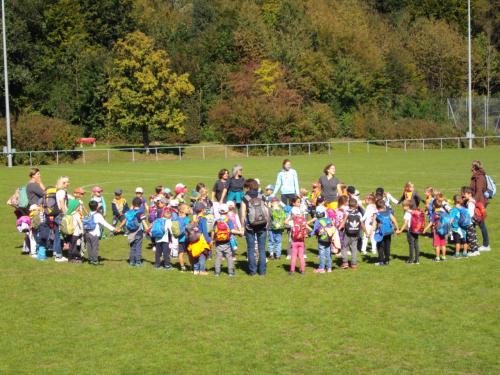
{"x": 61, "y": 181}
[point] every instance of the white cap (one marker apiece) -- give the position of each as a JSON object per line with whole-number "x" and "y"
{"x": 296, "y": 211}
{"x": 174, "y": 203}
{"x": 258, "y": 181}
{"x": 223, "y": 208}
{"x": 139, "y": 190}
{"x": 33, "y": 207}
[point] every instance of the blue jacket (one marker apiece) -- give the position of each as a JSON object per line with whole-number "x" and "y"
{"x": 287, "y": 182}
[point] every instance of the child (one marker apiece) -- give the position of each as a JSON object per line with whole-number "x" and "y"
{"x": 119, "y": 207}
{"x": 183, "y": 219}
{"x": 180, "y": 191}
{"x": 235, "y": 219}
{"x": 203, "y": 198}
{"x": 368, "y": 219}
{"x": 429, "y": 198}
{"x": 135, "y": 222}
{"x": 340, "y": 214}
{"x": 388, "y": 199}
{"x": 159, "y": 193}
{"x": 268, "y": 194}
{"x": 74, "y": 255}
{"x": 296, "y": 203}
{"x": 471, "y": 236}
{"x": 441, "y": 226}
{"x": 139, "y": 193}
{"x": 278, "y": 219}
{"x": 92, "y": 232}
{"x": 161, "y": 231}
{"x": 223, "y": 230}
{"x": 443, "y": 201}
{"x": 458, "y": 234}
{"x": 298, "y": 234}
{"x": 99, "y": 198}
{"x": 78, "y": 194}
{"x": 352, "y": 193}
{"x": 352, "y": 225}
{"x": 409, "y": 193}
{"x": 342, "y": 190}
{"x": 200, "y": 247}
{"x": 324, "y": 230}
{"x": 414, "y": 222}
{"x": 384, "y": 225}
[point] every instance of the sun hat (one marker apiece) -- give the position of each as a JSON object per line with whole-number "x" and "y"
{"x": 139, "y": 190}
{"x": 180, "y": 188}
{"x": 270, "y": 187}
{"x": 79, "y": 190}
{"x": 96, "y": 189}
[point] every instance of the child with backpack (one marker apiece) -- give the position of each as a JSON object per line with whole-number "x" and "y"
{"x": 368, "y": 219}
{"x": 161, "y": 231}
{"x": 429, "y": 198}
{"x": 99, "y": 198}
{"x": 469, "y": 228}
{"x": 352, "y": 225}
{"x": 299, "y": 233}
{"x": 414, "y": 223}
{"x": 235, "y": 219}
{"x": 383, "y": 226}
{"x": 135, "y": 224}
{"x": 441, "y": 227}
{"x": 199, "y": 240}
{"x": 458, "y": 234}
{"x": 223, "y": 229}
{"x": 119, "y": 207}
{"x": 91, "y": 225}
{"x": 139, "y": 193}
{"x": 275, "y": 233}
{"x": 180, "y": 232}
{"x": 324, "y": 229}
{"x": 71, "y": 227}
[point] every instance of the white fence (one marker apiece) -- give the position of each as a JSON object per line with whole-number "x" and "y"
{"x": 203, "y": 152}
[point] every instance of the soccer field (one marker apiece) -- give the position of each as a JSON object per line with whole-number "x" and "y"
{"x": 432, "y": 318}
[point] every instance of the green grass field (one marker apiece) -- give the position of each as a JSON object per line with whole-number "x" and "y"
{"x": 429, "y": 319}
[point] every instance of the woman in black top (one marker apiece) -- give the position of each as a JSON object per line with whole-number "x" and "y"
{"x": 219, "y": 189}
{"x": 235, "y": 184}
{"x": 35, "y": 189}
{"x": 329, "y": 186}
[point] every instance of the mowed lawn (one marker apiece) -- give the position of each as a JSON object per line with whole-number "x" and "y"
{"x": 434, "y": 318}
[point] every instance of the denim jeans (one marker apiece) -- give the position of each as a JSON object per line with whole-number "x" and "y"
{"x": 199, "y": 263}
{"x": 274, "y": 242}
{"x": 136, "y": 248}
{"x": 56, "y": 247}
{"x": 325, "y": 255}
{"x": 484, "y": 234}
{"x": 261, "y": 243}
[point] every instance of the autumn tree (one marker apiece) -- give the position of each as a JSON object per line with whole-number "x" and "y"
{"x": 144, "y": 93}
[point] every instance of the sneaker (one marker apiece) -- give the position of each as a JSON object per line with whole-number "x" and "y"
{"x": 443, "y": 259}
{"x": 474, "y": 253}
{"x": 374, "y": 251}
{"x": 232, "y": 274}
{"x": 168, "y": 268}
{"x": 34, "y": 255}
{"x": 457, "y": 256}
{"x": 61, "y": 259}
{"x": 484, "y": 248}
{"x": 305, "y": 256}
{"x": 203, "y": 273}
{"x": 416, "y": 262}
{"x": 217, "y": 274}
{"x": 319, "y": 270}
{"x": 465, "y": 254}
{"x": 436, "y": 259}
{"x": 409, "y": 261}
{"x": 364, "y": 253}
{"x": 302, "y": 273}
{"x": 344, "y": 266}
{"x": 183, "y": 269}
{"x": 288, "y": 257}
{"x": 196, "y": 273}
{"x": 138, "y": 264}
{"x": 354, "y": 266}
{"x": 290, "y": 273}
{"x": 378, "y": 264}
{"x": 329, "y": 270}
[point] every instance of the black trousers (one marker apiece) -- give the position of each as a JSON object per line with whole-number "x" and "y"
{"x": 384, "y": 249}
{"x": 413, "y": 246}
{"x": 162, "y": 248}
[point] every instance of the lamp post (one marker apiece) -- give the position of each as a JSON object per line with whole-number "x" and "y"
{"x": 6, "y": 80}
{"x": 469, "y": 134}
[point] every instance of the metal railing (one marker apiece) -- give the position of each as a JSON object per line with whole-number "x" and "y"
{"x": 203, "y": 152}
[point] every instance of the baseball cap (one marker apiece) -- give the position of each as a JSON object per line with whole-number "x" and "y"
{"x": 270, "y": 187}
{"x": 96, "y": 189}
{"x": 118, "y": 192}
{"x": 139, "y": 190}
{"x": 79, "y": 190}
{"x": 296, "y": 211}
{"x": 33, "y": 207}
{"x": 258, "y": 181}
{"x": 320, "y": 210}
{"x": 320, "y": 199}
{"x": 174, "y": 203}
{"x": 198, "y": 207}
{"x": 223, "y": 208}
{"x": 180, "y": 188}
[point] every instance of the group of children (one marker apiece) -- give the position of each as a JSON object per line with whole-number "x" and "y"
{"x": 179, "y": 224}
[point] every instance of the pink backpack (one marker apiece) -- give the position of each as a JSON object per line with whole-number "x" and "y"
{"x": 23, "y": 224}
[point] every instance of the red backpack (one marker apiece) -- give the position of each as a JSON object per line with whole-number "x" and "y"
{"x": 479, "y": 212}
{"x": 417, "y": 221}
{"x": 222, "y": 232}
{"x": 299, "y": 229}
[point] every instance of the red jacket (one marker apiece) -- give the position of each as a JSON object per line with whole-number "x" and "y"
{"x": 479, "y": 186}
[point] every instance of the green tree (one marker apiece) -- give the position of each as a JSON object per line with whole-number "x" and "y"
{"x": 144, "y": 93}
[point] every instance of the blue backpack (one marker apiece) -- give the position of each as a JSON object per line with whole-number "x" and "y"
{"x": 89, "y": 223}
{"x": 464, "y": 219}
{"x": 385, "y": 227}
{"x": 131, "y": 222}
{"x": 491, "y": 188}
{"x": 158, "y": 228}
{"x": 444, "y": 223}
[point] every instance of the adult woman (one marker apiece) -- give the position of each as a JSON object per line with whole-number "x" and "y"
{"x": 255, "y": 220}
{"x": 287, "y": 183}
{"x": 62, "y": 186}
{"x": 218, "y": 190}
{"x": 329, "y": 186}
{"x": 479, "y": 186}
{"x": 234, "y": 191}
{"x": 35, "y": 189}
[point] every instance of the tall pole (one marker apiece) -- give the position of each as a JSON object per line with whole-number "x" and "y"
{"x": 6, "y": 80}
{"x": 470, "y": 76}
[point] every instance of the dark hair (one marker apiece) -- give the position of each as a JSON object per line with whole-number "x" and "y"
{"x": 328, "y": 166}
{"x": 351, "y": 189}
{"x": 379, "y": 191}
{"x": 284, "y": 162}
{"x": 466, "y": 189}
{"x": 320, "y": 199}
{"x": 353, "y": 203}
{"x": 457, "y": 199}
{"x": 222, "y": 172}
{"x": 477, "y": 165}
{"x": 93, "y": 205}
{"x": 342, "y": 200}
{"x": 437, "y": 203}
{"x": 199, "y": 186}
{"x": 33, "y": 171}
{"x": 296, "y": 199}
{"x": 137, "y": 202}
{"x": 158, "y": 189}
{"x": 251, "y": 184}
{"x": 380, "y": 204}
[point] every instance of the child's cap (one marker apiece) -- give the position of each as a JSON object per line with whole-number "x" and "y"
{"x": 174, "y": 203}
{"x": 379, "y": 191}
{"x": 139, "y": 190}
{"x": 118, "y": 192}
{"x": 223, "y": 208}
{"x": 270, "y": 187}
{"x": 320, "y": 199}
{"x": 320, "y": 210}
{"x": 258, "y": 181}
{"x": 79, "y": 190}
{"x": 33, "y": 207}
{"x": 351, "y": 189}
{"x": 180, "y": 188}
{"x": 96, "y": 189}
{"x": 296, "y": 211}
{"x": 231, "y": 204}
{"x": 167, "y": 191}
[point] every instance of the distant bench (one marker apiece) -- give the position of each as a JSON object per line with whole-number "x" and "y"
{"x": 86, "y": 141}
